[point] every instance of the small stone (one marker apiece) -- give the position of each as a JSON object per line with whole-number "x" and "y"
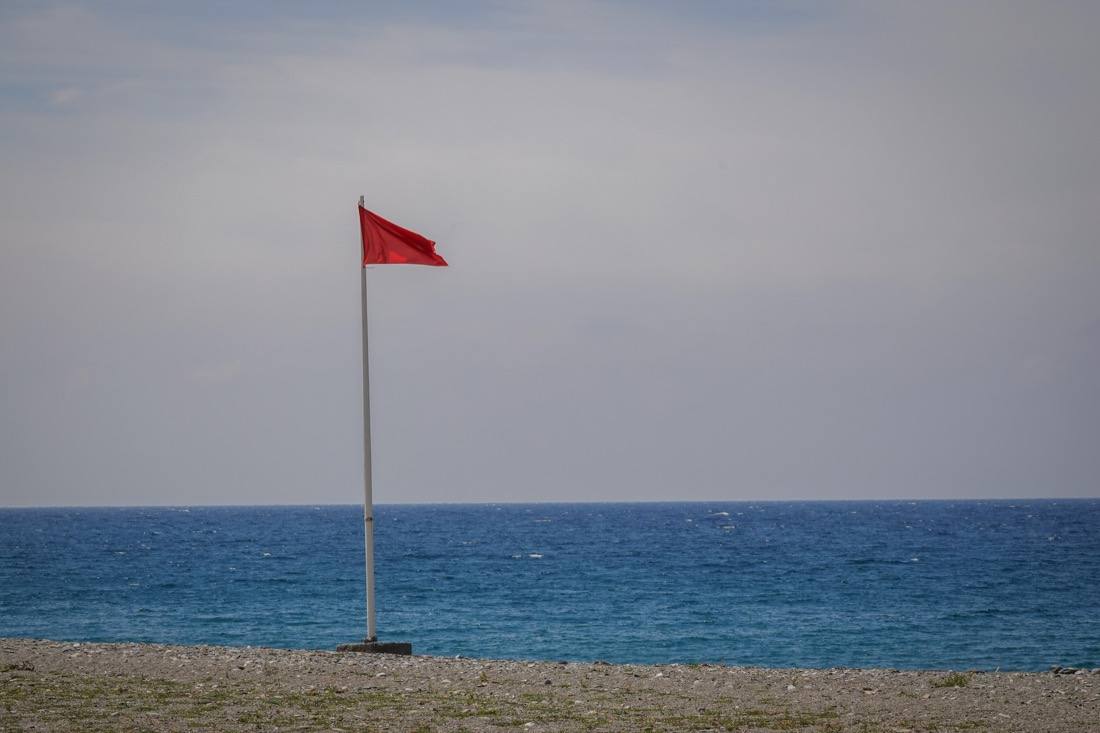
{"x": 791, "y": 688}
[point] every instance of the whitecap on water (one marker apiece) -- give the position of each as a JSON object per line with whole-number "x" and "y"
{"x": 534, "y": 555}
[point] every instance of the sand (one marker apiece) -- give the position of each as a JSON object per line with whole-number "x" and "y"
{"x": 61, "y": 686}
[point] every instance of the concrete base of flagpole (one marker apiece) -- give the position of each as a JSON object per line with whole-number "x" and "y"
{"x": 378, "y": 647}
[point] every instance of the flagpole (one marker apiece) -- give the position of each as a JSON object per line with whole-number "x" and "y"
{"x": 368, "y": 498}
{"x": 371, "y": 643}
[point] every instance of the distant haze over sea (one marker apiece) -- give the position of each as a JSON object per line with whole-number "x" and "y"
{"x": 697, "y": 250}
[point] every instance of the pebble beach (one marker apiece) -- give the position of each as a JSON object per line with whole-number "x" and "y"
{"x": 66, "y": 686}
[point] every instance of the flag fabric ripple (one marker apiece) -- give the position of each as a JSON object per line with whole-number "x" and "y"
{"x": 386, "y": 243}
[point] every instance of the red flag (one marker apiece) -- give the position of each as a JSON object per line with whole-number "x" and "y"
{"x": 385, "y": 243}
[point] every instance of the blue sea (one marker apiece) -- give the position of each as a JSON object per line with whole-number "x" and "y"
{"x": 1013, "y": 585}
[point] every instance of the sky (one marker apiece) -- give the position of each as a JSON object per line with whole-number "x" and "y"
{"x": 699, "y": 251}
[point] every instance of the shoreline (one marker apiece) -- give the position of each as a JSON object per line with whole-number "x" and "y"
{"x": 52, "y": 685}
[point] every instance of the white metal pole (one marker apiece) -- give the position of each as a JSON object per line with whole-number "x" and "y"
{"x": 368, "y": 502}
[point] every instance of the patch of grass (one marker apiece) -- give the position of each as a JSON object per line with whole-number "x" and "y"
{"x": 12, "y": 691}
{"x": 777, "y": 720}
{"x": 534, "y": 697}
{"x": 955, "y": 679}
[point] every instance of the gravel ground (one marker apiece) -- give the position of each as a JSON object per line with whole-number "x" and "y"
{"x": 60, "y": 686}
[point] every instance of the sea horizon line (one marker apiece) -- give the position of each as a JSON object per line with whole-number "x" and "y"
{"x": 628, "y": 502}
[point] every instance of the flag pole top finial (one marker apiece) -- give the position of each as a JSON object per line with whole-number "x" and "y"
{"x": 362, "y": 202}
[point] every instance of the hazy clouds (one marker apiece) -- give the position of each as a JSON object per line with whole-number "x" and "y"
{"x": 697, "y": 253}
